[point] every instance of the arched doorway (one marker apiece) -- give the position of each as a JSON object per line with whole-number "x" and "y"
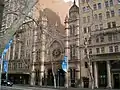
{"x": 59, "y": 75}
{"x": 50, "y": 78}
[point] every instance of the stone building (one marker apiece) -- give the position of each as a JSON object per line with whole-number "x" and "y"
{"x": 99, "y": 23}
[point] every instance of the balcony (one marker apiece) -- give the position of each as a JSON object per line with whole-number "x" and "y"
{"x": 106, "y": 31}
{"x": 105, "y": 56}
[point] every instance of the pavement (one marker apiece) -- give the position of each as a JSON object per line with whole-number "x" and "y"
{"x": 19, "y": 87}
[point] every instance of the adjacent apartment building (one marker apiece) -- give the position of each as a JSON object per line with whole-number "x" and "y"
{"x": 99, "y": 33}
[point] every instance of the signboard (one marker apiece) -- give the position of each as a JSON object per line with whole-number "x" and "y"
{"x": 5, "y": 66}
{"x": 65, "y": 64}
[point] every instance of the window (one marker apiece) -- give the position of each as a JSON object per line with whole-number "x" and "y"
{"x": 89, "y": 29}
{"x": 106, "y": 4}
{"x": 109, "y": 25}
{"x": 88, "y": 8}
{"x": 100, "y": 16}
{"x": 109, "y": 37}
{"x": 108, "y": 14}
{"x": 97, "y": 50}
{"x": 86, "y": 65}
{"x": 95, "y": 16}
{"x": 113, "y": 24}
{"x": 110, "y": 48}
{"x": 90, "y": 51}
{"x": 89, "y": 41}
{"x": 102, "y": 50}
{"x": 97, "y": 40}
{"x": 119, "y": 12}
{"x": 84, "y": 9}
{"x": 101, "y": 26}
{"x": 102, "y": 38}
{"x": 95, "y": 7}
{"x": 96, "y": 27}
{"x": 85, "y": 51}
{"x": 115, "y": 37}
{"x": 84, "y": 19}
{"x": 99, "y": 5}
{"x": 111, "y": 2}
{"x": 112, "y": 13}
{"x": 85, "y": 30}
{"x": 116, "y": 49}
{"x": 88, "y": 17}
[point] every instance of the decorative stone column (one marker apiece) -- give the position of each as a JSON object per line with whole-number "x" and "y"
{"x": 33, "y": 74}
{"x": 43, "y": 47}
{"x": 109, "y": 85}
{"x": 67, "y": 49}
{"x": 14, "y": 45}
{"x": 20, "y": 42}
{"x": 96, "y": 74}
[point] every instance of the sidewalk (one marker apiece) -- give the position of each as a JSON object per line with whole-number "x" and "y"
{"x": 57, "y": 88}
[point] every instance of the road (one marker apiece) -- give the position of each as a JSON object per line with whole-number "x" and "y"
{"x": 39, "y": 88}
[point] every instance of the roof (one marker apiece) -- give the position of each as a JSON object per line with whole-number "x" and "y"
{"x": 74, "y": 8}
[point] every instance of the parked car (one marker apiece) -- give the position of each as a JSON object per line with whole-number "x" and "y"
{"x": 6, "y": 83}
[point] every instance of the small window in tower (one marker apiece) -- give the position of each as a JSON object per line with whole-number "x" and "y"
{"x": 95, "y": 7}
{"x": 112, "y": 13}
{"x": 99, "y": 6}
{"x": 106, "y": 4}
{"x": 111, "y": 2}
{"x": 108, "y": 14}
{"x": 119, "y": 12}
{"x": 84, "y": 9}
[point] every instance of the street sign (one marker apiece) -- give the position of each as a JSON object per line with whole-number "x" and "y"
{"x": 65, "y": 64}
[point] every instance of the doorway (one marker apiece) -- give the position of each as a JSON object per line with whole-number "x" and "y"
{"x": 116, "y": 78}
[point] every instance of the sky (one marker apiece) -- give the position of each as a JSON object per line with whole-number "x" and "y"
{"x": 72, "y": 1}
{"x": 68, "y": 0}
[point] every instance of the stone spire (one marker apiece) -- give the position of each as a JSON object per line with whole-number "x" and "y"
{"x": 74, "y": 2}
{"x": 66, "y": 19}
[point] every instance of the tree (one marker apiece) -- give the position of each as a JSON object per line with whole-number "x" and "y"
{"x": 20, "y": 11}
